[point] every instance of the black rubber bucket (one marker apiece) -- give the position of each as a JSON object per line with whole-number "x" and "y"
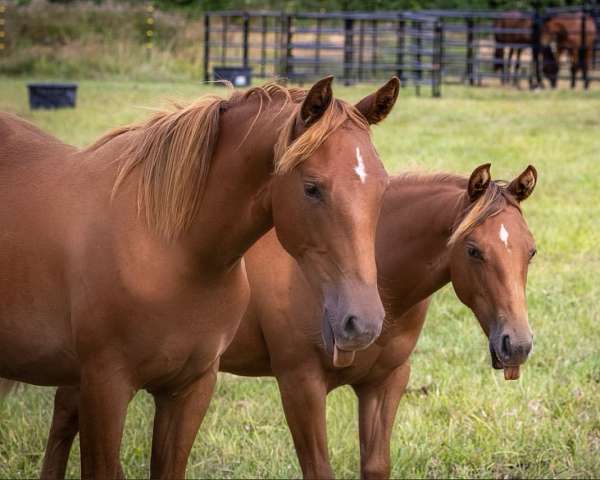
{"x": 239, "y": 76}
{"x": 52, "y": 95}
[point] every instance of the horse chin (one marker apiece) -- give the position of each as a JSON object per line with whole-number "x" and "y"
{"x": 340, "y": 358}
{"x": 511, "y": 372}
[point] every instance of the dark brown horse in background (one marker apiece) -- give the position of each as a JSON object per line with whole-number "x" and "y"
{"x": 433, "y": 229}
{"x": 114, "y": 286}
{"x": 574, "y": 34}
{"x": 512, "y": 31}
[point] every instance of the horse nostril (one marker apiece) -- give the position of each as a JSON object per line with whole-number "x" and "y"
{"x": 350, "y": 325}
{"x": 506, "y": 350}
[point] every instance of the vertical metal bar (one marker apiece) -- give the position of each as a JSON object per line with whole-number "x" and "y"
{"x": 348, "y": 49}
{"x": 470, "y": 35}
{"x": 245, "y": 35}
{"x": 318, "y": 46}
{"x": 436, "y": 72}
{"x": 263, "y": 46}
{"x": 374, "y": 48}
{"x": 583, "y": 48}
{"x": 400, "y": 48}
{"x": 361, "y": 49}
{"x": 225, "y": 20}
{"x": 206, "y": 48}
{"x": 289, "y": 68}
{"x": 419, "y": 70}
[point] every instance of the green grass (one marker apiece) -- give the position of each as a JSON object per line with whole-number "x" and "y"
{"x": 470, "y": 423}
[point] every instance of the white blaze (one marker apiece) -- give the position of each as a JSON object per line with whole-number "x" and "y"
{"x": 360, "y": 166}
{"x": 504, "y": 235}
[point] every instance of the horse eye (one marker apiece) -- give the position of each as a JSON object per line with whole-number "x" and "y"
{"x": 532, "y": 254}
{"x": 474, "y": 252}
{"x": 312, "y": 190}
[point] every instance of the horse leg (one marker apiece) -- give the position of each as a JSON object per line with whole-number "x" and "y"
{"x": 585, "y": 63}
{"x": 516, "y": 78}
{"x": 64, "y": 428}
{"x": 176, "y": 422}
{"x": 509, "y": 65}
{"x": 574, "y": 68}
{"x": 304, "y": 401}
{"x": 377, "y": 407}
{"x": 103, "y": 402}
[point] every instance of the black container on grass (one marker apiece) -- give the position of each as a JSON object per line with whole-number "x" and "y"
{"x": 52, "y": 95}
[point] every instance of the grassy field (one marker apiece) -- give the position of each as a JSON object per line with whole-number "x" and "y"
{"x": 469, "y": 423}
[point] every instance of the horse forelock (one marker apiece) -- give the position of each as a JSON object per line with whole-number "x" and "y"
{"x": 291, "y": 152}
{"x": 493, "y": 201}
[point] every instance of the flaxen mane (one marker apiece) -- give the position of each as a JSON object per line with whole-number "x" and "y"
{"x": 173, "y": 150}
{"x": 495, "y": 198}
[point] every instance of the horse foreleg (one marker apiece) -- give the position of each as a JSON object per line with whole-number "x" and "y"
{"x": 574, "y": 67}
{"x": 516, "y": 78}
{"x": 585, "y": 65}
{"x": 64, "y": 428}
{"x": 377, "y": 407}
{"x": 103, "y": 401}
{"x": 304, "y": 407}
{"x": 509, "y": 65}
{"x": 176, "y": 422}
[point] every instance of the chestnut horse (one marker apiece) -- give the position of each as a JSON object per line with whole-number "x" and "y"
{"x": 121, "y": 265}
{"x": 433, "y": 229}
{"x": 575, "y": 35}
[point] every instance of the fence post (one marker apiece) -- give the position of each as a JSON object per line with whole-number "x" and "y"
{"x": 361, "y": 48}
{"x": 348, "y": 49}
{"x": 225, "y": 24}
{"x": 206, "y": 47}
{"x": 318, "y": 46}
{"x": 245, "y": 32}
{"x": 400, "y": 48}
{"x": 418, "y": 67}
{"x": 374, "y": 48}
{"x": 263, "y": 46}
{"x": 436, "y": 72}
{"x": 288, "y": 68}
{"x": 470, "y": 56}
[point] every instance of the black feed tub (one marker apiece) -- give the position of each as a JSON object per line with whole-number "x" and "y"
{"x": 239, "y": 76}
{"x": 52, "y": 95}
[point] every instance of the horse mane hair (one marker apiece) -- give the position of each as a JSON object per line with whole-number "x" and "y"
{"x": 173, "y": 150}
{"x": 495, "y": 199}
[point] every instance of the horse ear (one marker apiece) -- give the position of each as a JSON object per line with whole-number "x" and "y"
{"x": 317, "y": 100}
{"x": 479, "y": 181}
{"x": 522, "y": 186}
{"x": 376, "y": 106}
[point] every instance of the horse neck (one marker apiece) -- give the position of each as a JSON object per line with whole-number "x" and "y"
{"x": 236, "y": 207}
{"x": 416, "y": 222}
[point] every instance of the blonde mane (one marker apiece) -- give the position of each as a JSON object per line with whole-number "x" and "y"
{"x": 495, "y": 199}
{"x": 173, "y": 150}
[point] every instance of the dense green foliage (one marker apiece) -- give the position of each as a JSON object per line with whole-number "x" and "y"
{"x": 459, "y": 419}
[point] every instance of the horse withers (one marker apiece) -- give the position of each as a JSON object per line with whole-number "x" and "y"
{"x": 433, "y": 230}
{"x": 121, "y": 265}
{"x": 574, "y": 34}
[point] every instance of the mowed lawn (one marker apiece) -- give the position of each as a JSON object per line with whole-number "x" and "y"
{"x": 460, "y": 418}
